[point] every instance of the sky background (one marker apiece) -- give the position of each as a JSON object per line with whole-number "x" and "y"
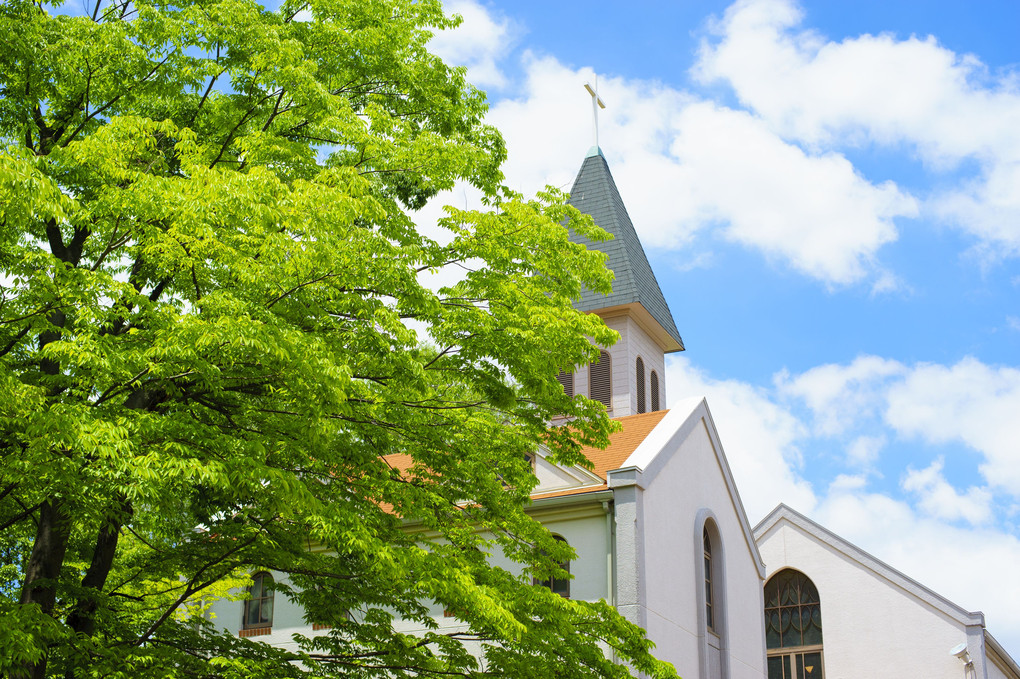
{"x": 829, "y": 194}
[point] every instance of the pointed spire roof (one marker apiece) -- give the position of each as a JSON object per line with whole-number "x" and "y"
{"x": 595, "y": 193}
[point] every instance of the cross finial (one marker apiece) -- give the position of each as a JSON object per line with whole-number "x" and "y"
{"x": 596, "y": 104}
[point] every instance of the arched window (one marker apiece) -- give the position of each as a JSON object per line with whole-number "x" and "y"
{"x": 655, "y": 391}
{"x": 793, "y": 626}
{"x": 710, "y": 560}
{"x": 567, "y": 380}
{"x": 558, "y": 585}
{"x": 600, "y": 380}
{"x": 641, "y": 385}
{"x": 258, "y": 608}
{"x": 709, "y": 617}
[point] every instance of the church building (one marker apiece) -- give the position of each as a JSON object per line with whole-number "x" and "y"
{"x": 660, "y": 533}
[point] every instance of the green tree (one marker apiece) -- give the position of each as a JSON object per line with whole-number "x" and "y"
{"x": 209, "y": 290}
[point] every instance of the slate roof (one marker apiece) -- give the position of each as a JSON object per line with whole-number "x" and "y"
{"x": 595, "y": 193}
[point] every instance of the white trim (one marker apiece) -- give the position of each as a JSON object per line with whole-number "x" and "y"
{"x": 647, "y": 460}
{"x": 720, "y": 607}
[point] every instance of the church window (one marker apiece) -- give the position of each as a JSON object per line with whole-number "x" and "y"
{"x": 793, "y": 627}
{"x": 710, "y": 586}
{"x": 600, "y": 380}
{"x": 655, "y": 391}
{"x": 709, "y": 602}
{"x": 641, "y": 385}
{"x": 559, "y": 584}
{"x": 258, "y": 608}
{"x": 567, "y": 380}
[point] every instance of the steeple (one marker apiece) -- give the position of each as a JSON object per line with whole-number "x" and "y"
{"x": 635, "y": 287}
{"x": 629, "y": 377}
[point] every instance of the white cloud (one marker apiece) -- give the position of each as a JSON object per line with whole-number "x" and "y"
{"x": 839, "y": 396}
{"x": 970, "y": 403}
{"x": 863, "y": 451}
{"x": 479, "y": 43}
{"x": 718, "y": 167}
{"x": 813, "y": 212}
{"x": 881, "y": 90}
{"x": 940, "y": 500}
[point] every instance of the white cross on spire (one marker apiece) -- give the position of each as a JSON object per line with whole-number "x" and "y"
{"x": 596, "y": 104}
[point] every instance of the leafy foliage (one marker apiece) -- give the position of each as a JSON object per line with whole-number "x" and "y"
{"x": 212, "y": 359}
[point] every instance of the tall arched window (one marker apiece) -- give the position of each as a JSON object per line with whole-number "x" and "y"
{"x": 793, "y": 627}
{"x": 258, "y": 608}
{"x": 558, "y": 585}
{"x": 567, "y": 380}
{"x": 711, "y": 598}
{"x": 600, "y": 380}
{"x": 655, "y": 391}
{"x": 709, "y": 612}
{"x": 640, "y": 385}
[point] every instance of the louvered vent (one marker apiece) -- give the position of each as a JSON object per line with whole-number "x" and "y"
{"x": 600, "y": 380}
{"x": 655, "y": 391}
{"x": 567, "y": 380}
{"x": 640, "y": 385}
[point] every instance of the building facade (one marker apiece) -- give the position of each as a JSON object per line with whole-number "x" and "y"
{"x": 835, "y": 608}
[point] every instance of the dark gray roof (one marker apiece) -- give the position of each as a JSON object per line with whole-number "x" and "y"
{"x": 595, "y": 193}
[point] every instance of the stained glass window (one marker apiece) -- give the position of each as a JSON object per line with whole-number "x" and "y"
{"x": 793, "y": 614}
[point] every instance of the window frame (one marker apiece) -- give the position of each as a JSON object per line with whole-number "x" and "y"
{"x": 793, "y": 655}
{"x": 267, "y": 596}
{"x": 714, "y": 641}
{"x": 603, "y": 369}
{"x": 551, "y": 582}
{"x": 654, "y": 384}
{"x": 566, "y": 380}
{"x": 639, "y": 369}
{"x": 709, "y": 573}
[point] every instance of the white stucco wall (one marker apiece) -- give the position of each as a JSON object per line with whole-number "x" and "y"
{"x": 871, "y": 627}
{"x": 667, "y": 504}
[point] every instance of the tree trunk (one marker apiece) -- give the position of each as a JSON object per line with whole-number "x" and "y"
{"x": 43, "y": 570}
{"x": 82, "y": 618}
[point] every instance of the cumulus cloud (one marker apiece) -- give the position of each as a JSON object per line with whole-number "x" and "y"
{"x": 685, "y": 166}
{"x": 939, "y": 499}
{"x": 881, "y": 90}
{"x": 970, "y": 403}
{"x": 838, "y": 396}
{"x": 480, "y": 42}
{"x": 812, "y": 212}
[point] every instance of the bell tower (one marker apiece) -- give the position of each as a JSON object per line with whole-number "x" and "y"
{"x": 630, "y": 377}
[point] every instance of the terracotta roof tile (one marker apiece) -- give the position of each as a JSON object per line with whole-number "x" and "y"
{"x": 621, "y": 444}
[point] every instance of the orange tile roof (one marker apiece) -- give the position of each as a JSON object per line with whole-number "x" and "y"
{"x": 636, "y": 429}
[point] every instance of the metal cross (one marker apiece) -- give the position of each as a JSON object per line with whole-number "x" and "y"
{"x": 596, "y": 104}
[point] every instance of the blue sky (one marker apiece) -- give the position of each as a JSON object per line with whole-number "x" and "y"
{"x": 829, "y": 194}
